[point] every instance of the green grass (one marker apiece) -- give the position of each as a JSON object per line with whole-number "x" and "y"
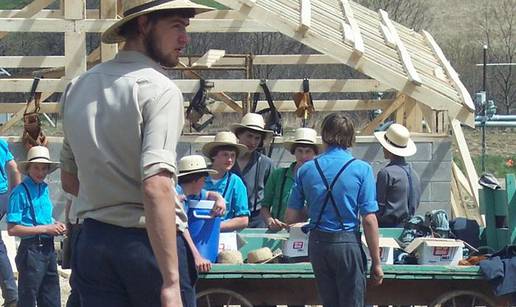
{"x": 495, "y": 164}
{"x": 13, "y": 4}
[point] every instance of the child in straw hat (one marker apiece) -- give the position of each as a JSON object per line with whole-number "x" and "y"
{"x": 29, "y": 217}
{"x": 398, "y": 189}
{"x": 304, "y": 147}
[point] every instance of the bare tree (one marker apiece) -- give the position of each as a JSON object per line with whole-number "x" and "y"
{"x": 499, "y": 26}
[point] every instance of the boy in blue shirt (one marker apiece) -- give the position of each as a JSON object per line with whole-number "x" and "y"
{"x": 223, "y": 152}
{"x": 29, "y": 216}
{"x": 192, "y": 173}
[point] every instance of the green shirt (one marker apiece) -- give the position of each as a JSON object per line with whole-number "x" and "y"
{"x": 277, "y": 191}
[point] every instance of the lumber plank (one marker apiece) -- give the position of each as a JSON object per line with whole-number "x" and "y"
{"x": 29, "y": 10}
{"x": 369, "y": 128}
{"x": 306, "y": 17}
{"x": 358, "y": 42}
{"x": 108, "y": 9}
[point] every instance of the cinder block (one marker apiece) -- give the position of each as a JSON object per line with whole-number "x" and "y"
{"x": 442, "y": 150}
{"x": 424, "y": 152}
{"x": 440, "y": 191}
{"x": 433, "y": 170}
{"x": 426, "y": 191}
{"x": 368, "y": 151}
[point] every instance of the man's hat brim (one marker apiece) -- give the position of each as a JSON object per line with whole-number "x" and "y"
{"x": 407, "y": 151}
{"x": 207, "y": 149}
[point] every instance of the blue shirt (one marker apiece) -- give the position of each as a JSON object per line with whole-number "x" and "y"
{"x": 19, "y": 212}
{"x": 5, "y": 156}
{"x": 203, "y": 195}
{"x": 354, "y": 192}
{"x": 235, "y": 196}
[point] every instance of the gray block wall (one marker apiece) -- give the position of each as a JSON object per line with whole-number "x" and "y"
{"x": 432, "y": 162}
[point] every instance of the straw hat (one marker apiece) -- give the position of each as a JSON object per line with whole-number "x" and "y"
{"x": 230, "y": 257}
{"x": 262, "y": 255}
{"x": 38, "y": 154}
{"x": 193, "y": 164}
{"x": 397, "y": 140}
{"x": 253, "y": 122}
{"x": 135, "y": 8}
{"x": 306, "y": 136}
{"x": 224, "y": 138}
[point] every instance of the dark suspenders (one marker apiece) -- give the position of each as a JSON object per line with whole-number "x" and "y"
{"x": 227, "y": 186}
{"x": 32, "y": 212}
{"x": 329, "y": 196}
{"x": 410, "y": 191}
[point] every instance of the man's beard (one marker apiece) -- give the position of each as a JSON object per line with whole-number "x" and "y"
{"x": 152, "y": 48}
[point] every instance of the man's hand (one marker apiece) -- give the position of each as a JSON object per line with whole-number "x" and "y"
{"x": 376, "y": 275}
{"x": 219, "y": 208}
{"x": 55, "y": 229}
{"x": 171, "y": 296}
{"x": 203, "y": 265}
{"x": 275, "y": 224}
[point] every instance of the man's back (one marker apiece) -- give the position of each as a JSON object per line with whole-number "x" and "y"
{"x": 112, "y": 120}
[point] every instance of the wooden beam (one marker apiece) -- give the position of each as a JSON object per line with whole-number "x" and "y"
{"x": 358, "y": 43}
{"x": 452, "y": 74}
{"x": 414, "y": 117}
{"x": 45, "y": 107}
{"x": 227, "y": 85}
{"x": 90, "y": 13}
{"x": 31, "y": 61}
{"x": 462, "y": 145}
{"x": 29, "y": 10}
{"x": 306, "y": 17}
{"x": 108, "y": 9}
{"x": 74, "y": 9}
{"x": 211, "y": 57}
{"x": 413, "y": 76}
{"x": 369, "y": 128}
{"x": 75, "y": 54}
{"x": 466, "y": 196}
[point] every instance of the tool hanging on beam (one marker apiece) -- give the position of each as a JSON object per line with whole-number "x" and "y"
{"x": 32, "y": 132}
{"x": 304, "y": 102}
{"x": 271, "y": 114}
{"x": 198, "y": 113}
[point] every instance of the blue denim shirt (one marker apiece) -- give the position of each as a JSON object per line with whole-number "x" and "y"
{"x": 354, "y": 191}
{"x": 18, "y": 211}
{"x": 236, "y": 194}
{"x": 5, "y": 156}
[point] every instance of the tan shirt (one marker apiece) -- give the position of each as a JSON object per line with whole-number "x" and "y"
{"x": 122, "y": 121}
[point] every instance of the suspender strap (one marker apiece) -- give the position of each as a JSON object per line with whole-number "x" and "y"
{"x": 411, "y": 210}
{"x": 227, "y": 185}
{"x": 282, "y": 189}
{"x": 256, "y": 179}
{"x": 329, "y": 196}
{"x": 31, "y": 206}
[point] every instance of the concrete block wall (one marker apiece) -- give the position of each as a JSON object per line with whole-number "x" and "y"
{"x": 432, "y": 162}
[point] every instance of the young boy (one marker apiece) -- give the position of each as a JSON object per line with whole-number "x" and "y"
{"x": 398, "y": 189}
{"x": 191, "y": 177}
{"x": 223, "y": 152}
{"x": 29, "y": 216}
{"x": 252, "y": 166}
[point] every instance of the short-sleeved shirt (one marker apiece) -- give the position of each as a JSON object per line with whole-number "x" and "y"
{"x": 19, "y": 211}
{"x": 5, "y": 156}
{"x": 122, "y": 121}
{"x": 354, "y": 191}
{"x": 397, "y": 198}
{"x": 231, "y": 187}
{"x": 255, "y": 175}
{"x": 277, "y": 191}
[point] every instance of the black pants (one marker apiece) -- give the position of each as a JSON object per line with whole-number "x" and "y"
{"x": 339, "y": 265}
{"x": 74, "y": 299}
{"x": 7, "y": 281}
{"x": 115, "y": 267}
{"x": 38, "y": 278}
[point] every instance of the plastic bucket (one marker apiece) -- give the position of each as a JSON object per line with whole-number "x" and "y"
{"x": 204, "y": 229}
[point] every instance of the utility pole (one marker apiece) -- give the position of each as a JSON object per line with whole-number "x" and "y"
{"x": 484, "y": 109}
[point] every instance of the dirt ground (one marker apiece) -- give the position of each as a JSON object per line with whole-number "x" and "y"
{"x": 499, "y": 141}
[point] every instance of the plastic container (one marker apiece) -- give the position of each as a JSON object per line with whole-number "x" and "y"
{"x": 204, "y": 229}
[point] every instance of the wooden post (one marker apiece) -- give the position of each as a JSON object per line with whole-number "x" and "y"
{"x": 75, "y": 42}
{"x": 385, "y": 114}
{"x": 108, "y": 10}
{"x": 414, "y": 115}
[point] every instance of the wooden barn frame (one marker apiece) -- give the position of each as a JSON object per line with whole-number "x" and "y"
{"x": 396, "y": 58}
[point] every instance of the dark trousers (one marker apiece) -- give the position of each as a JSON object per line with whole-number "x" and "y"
{"x": 115, "y": 267}
{"x": 256, "y": 220}
{"x": 339, "y": 265}
{"x": 74, "y": 299}
{"x": 38, "y": 280}
{"x": 7, "y": 282}
{"x": 187, "y": 273}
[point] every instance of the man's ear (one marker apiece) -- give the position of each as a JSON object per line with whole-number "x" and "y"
{"x": 143, "y": 24}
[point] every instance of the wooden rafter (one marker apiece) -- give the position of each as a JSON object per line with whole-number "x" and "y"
{"x": 306, "y": 16}
{"x": 400, "y": 100}
{"x": 357, "y": 40}
{"x": 29, "y": 10}
{"x": 211, "y": 57}
{"x": 404, "y": 54}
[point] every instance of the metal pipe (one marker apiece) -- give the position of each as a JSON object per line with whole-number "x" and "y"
{"x": 495, "y": 124}
{"x": 483, "y": 160}
{"x": 507, "y": 118}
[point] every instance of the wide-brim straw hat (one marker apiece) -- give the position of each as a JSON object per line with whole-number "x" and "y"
{"x": 135, "y": 8}
{"x": 254, "y": 122}
{"x": 193, "y": 164}
{"x": 230, "y": 257}
{"x": 224, "y": 138}
{"x": 397, "y": 140}
{"x": 262, "y": 255}
{"x": 38, "y": 154}
{"x": 304, "y": 136}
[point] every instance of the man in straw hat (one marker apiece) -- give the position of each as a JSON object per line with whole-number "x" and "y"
{"x": 304, "y": 147}
{"x": 398, "y": 189}
{"x": 338, "y": 191}
{"x": 122, "y": 121}
{"x": 252, "y": 166}
{"x": 9, "y": 178}
{"x": 223, "y": 152}
{"x": 192, "y": 174}
{"x": 29, "y": 216}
